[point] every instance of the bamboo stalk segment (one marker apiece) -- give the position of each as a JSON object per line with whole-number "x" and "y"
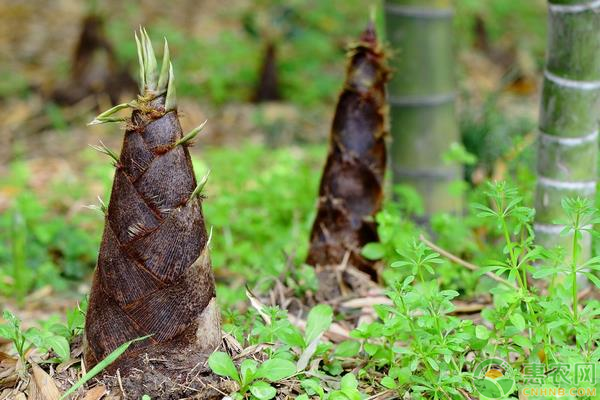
{"x": 421, "y": 97}
{"x": 568, "y": 139}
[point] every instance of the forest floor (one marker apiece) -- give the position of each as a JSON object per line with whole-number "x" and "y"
{"x": 265, "y": 161}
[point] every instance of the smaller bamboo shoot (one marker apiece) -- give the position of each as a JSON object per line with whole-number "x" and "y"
{"x": 351, "y": 189}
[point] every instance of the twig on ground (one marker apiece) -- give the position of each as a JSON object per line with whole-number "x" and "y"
{"x": 464, "y": 263}
{"x": 121, "y": 384}
{"x": 335, "y": 332}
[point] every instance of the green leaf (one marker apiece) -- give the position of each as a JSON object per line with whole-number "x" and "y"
{"x": 60, "y": 330}
{"x": 291, "y": 336}
{"x": 221, "y": 364}
{"x": 522, "y": 341}
{"x": 312, "y": 386}
{"x": 349, "y": 385}
{"x": 593, "y": 278}
{"x": 318, "y": 321}
{"x": 307, "y": 354}
{"x": 371, "y": 348}
{"x": 399, "y": 264}
{"x": 373, "y": 251}
{"x": 518, "y": 321}
{"x": 481, "y": 332}
{"x": 276, "y": 369}
{"x": 388, "y": 382}
{"x": 337, "y": 395}
{"x": 262, "y": 390}
{"x": 6, "y": 332}
{"x": 433, "y": 364}
{"x": 60, "y": 345}
{"x": 248, "y": 370}
{"x": 348, "y": 382}
{"x": 101, "y": 366}
{"x": 347, "y": 348}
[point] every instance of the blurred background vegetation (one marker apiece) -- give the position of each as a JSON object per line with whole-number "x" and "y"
{"x": 265, "y": 156}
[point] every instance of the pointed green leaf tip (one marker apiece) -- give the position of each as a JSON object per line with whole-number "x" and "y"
{"x": 171, "y": 100}
{"x": 151, "y": 65}
{"x": 141, "y": 62}
{"x": 164, "y": 71}
{"x": 106, "y": 116}
{"x": 190, "y": 135}
{"x": 104, "y": 149}
{"x": 151, "y": 82}
{"x": 198, "y": 190}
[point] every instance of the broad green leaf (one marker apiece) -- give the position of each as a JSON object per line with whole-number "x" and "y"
{"x": 518, "y": 321}
{"x": 481, "y": 332}
{"x": 348, "y": 382}
{"x": 522, "y": 341}
{"x": 262, "y": 390}
{"x": 373, "y": 251}
{"x": 248, "y": 370}
{"x": 337, "y": 395}
{"x": 449, "y": 294}
{"x": 371, "y": 348}
{"x": 347, "y": 348}
{"x": 276, "y": 369}
{"x": 318, "y": 321}
{"x": 221, "y": 364}
{"x": 312, "y": 386}
{"x": 349, "y": 385}
{"x": 292, "y": 337}
{"x": 388, "y": 382}
{"x": 60, "y": 345}
{"x": 60, "y": 330}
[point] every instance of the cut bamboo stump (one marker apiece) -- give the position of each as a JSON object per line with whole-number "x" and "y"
{"x": 568, "y": 137}
{"x": 421, "y": 96}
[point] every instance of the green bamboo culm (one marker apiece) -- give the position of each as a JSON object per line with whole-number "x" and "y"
{"x": 421, "y": 97}
{"x": 568, "y": 126}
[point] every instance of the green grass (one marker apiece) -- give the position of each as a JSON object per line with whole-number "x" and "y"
{"x": 260, "y": 204}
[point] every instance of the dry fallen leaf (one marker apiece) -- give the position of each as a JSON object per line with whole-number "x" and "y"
{"x": 335, "y": 333}
{"x": 67, "y": 364}
{"x": 366, "y": 302}
{"x": 20, "y": 396}
{"x": 8, "y": 371}
{"x": 95, "y": 393}
{"x": 42, "y": 386}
